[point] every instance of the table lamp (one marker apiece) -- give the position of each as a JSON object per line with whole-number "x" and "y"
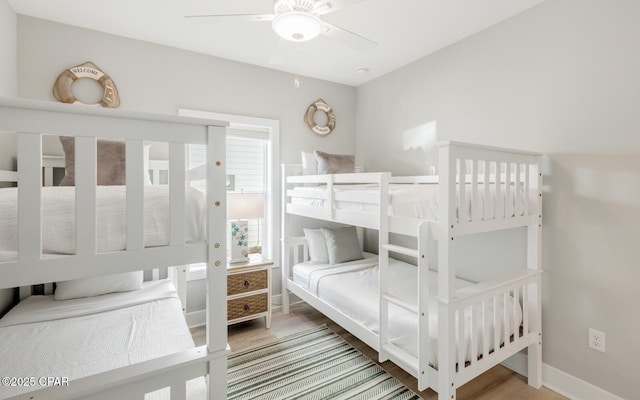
{"x": 242, "y": 206}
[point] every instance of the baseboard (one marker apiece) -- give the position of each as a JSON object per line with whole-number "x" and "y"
{"x": 560, "y": 381}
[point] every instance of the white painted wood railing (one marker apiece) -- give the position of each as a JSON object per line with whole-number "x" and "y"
{"x": 33, "y": 119}
{"x": 482, "y": 189}
{"x": 488, "y": 189}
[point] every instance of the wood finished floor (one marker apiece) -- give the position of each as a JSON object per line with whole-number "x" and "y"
{"x": 497, "y": 383}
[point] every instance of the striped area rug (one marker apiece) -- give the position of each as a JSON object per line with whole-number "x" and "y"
{"x": 316, "y": 364}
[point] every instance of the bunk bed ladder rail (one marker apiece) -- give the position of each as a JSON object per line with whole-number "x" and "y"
{"x": 418, "y": 367}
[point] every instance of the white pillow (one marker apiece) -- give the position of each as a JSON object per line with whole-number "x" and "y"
{"x": 317, "y": 246}
{"x": 342, "y": 244}
{"x": 88, "y": 287}
{"x": 309, "y": 164}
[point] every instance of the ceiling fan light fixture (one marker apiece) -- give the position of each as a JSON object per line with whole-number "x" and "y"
{"x": 297, "y": 26}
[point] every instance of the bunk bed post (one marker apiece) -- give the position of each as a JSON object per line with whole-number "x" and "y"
{"x": 446, "y": 271}
{"x": 534, "y": 262}
{"x": 216, "y": 261}
{"x": 383, "y": 267}
{"x": 423, "y": 307}
{"x": 285, "y": 256}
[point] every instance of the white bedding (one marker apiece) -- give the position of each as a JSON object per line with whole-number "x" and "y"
{"x": 409, "y": 200}
{"x": 41, "y": 337}
{"x": 353, "y": 288}
{"x": 58, "y": 218}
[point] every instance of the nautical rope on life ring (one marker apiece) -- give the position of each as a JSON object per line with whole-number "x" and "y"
{"x": 309, "y": 118}
{"x": 62, "y": 88}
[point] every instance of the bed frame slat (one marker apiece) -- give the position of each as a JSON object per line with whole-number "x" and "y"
{"x": 462, "y": 190}
{"x": 135, "y": 194}
{"x": 460, "y": 339}
{"x": 485, "y": 330}
{"x": 29, "y": 196}
{"x": 85, "y": 155}
{"x": 489, "y": 203}
{"x": 508, "y": 206}
{"x": 475, "y": 330}
{"x": 475, "y": 201}
{"x": 177, "y": 193}
{"x": 496, "y": 321}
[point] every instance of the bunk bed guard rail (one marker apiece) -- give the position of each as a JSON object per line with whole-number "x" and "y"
{"x": 33, "y": 119}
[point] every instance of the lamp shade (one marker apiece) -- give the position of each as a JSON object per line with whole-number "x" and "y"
{"x": 242, "y": 205}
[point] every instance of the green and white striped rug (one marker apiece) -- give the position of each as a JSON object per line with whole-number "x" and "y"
{"x": 316, "y": 364}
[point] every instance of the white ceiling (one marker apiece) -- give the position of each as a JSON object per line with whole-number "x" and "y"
{"x": 405, "y": 30}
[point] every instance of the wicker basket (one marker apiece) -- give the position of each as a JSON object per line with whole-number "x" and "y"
{"x": 247, "y": 282}
{"x": 246, "y": 306}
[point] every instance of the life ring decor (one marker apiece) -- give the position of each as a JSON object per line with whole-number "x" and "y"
{"x": 62, "y": 88}
{"x": 309, "y": 118}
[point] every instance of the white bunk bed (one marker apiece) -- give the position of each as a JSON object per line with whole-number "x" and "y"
{"x": 151, "y": 353}
{"x": 479, "y": 189}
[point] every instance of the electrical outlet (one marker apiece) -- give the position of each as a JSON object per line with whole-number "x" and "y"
{"x": 597, "y": 340}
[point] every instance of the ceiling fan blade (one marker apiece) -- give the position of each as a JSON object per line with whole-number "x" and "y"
{"x": 349, "y": 38}
{"x": 322, "y": 7}
{"x": 235, "y": 17}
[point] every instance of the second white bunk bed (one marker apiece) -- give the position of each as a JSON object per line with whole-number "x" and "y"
{"x": 149, "y": 353}
{"x": 479, "y": 189}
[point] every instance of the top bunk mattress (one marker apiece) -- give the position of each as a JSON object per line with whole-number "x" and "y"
{"x": 59, "y": 227}
{"x": 411, "y": 200}
{"x": 42, "y": 337}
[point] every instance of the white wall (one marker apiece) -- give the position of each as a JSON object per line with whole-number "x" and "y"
{"x": 8, "y": 88}
{"x": 8, "y": 55}
{"x": 562, "y": 79}
{"x": 161, "y": 79}
{"x": 8, "y": 74}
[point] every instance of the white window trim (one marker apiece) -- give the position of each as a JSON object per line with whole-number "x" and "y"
{"x": 272, "y": 203}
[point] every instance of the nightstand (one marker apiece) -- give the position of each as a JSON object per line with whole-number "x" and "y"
{"x": 249, "y": 291}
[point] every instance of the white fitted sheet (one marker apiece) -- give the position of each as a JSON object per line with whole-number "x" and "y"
{"x": 411, "y": 200}
{"x": 58, "y": 218}
{"x": 353, "y": 288}
{"x": 42, "y": 337}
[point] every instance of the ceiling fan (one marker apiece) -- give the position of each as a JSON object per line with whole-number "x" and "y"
{"x": 299, "y": 21}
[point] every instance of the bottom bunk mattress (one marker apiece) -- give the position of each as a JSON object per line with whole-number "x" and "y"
{"x": 42, "y": 337}
{"x": 352, "y": 288}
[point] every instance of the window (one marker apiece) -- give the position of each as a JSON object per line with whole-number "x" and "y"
{"x": 252, "y": 162}
{"x": 246, "y": 172}
{"x": 246, "y": 159}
